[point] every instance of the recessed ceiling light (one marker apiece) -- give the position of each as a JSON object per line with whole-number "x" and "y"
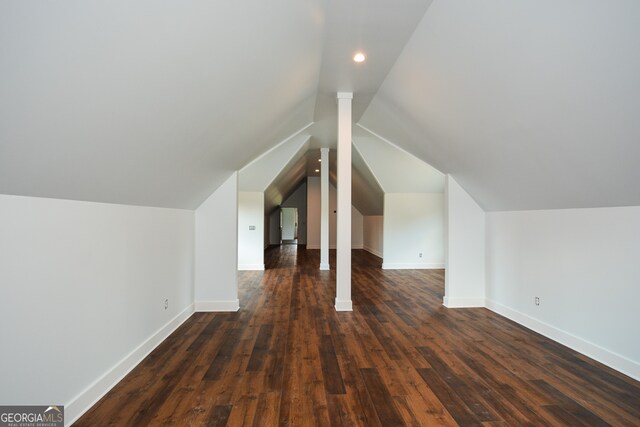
{"x": 317, "y": 170}
{"x": 319, "y": 160}
{"x": 359, "y": 57}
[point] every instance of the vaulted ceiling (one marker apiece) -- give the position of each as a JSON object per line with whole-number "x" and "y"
{"x": 529, "y": 104}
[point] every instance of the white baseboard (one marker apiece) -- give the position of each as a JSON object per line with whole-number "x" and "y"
{"x": 343, "y": 305}
{"x": 372, "y": 251}
{"x": 463, "y": 302}
{"x": 324, "y": 267}
{"x": 594, "y": 351}
{"x": 232, "y": 305}
{"x": 357, "y": 247}
{"x": 250, "y": 267}
{"x": 92, "y": 394}
{"x": 411, "y": 266}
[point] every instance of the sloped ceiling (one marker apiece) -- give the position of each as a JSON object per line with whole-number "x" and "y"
{"x": 289, "y": 179}
{"x": 156, "y": 103}
{"x": 150, "y": 103}
{"x": 263, "y": 171}
{"x": 528, "y": 104}
{"x": 381, "y": 28}
{"x": 366, "y": 194}
{"x": 395, "y": 170}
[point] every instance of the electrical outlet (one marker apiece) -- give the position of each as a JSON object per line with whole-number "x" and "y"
{"x": 537, "y": 300}
{"x": 166, "y": 304}
{"x": 419, "y": 254}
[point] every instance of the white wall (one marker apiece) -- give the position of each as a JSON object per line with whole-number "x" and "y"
{"x": 357, "y": 238}
{"x": 250, "y": 242}
{"x": 413, "y": 225}
{"x": 464, "y": 248}
{"x": 313, "y": 212}
{"x": 584, "y": 266}
{"x": 216, "y": 227}
{"x": 82, "y": 294}
{"x": 373, "y": 234}
{"x": 299, "y": 200}
{"x": 313, "y": 217}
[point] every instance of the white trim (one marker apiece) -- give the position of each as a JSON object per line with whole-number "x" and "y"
{"x": 344, "y": 305}
{"x": 382, "y": 138}
{"x": 275, "y": 147}
{"x": 324, "y": 266}
{"x": 364, "y": 159}
{"x": 231, "y": 305}
{"x": 250, "y": 267}
{"x": 412, "y": 266}
{"x": 594, "y": 351}
{"x": 463, "y": 302}
{"x": 345, "y": 95}
{"x": 94, "y": 392}
{"x": 372, "y": 251}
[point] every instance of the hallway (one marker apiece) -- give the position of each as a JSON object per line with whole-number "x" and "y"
{"x": 400, "y": 358}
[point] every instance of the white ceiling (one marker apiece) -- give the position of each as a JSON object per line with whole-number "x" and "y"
{"x": 290, "y": 177}
{"x": 262, "y": 172}
{"x": 395, "y": 170}
{"x": 378, "y": 27}
{"x": 146, "y": 102}
{"x": 528, "y": 104}
{"x": 367, "y": 196}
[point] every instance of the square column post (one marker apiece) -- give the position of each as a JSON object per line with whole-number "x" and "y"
{"x": 343, "y": 238}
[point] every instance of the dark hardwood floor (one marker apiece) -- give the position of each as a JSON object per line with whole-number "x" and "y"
{"x": 400, "y": 358}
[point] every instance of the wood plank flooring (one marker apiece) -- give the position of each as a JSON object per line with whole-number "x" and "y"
{"x": 400, "y": 358}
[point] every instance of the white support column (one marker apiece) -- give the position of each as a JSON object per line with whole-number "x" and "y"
{"x": 324, "y": 209}
{"x": 343, "y": 238}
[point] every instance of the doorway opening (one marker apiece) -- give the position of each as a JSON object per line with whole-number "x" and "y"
{"x": 289, "y": 226}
